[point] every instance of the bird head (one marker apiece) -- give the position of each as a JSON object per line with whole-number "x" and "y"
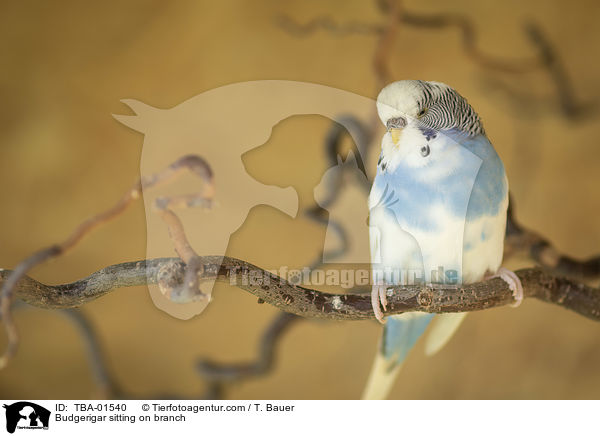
{"x": 415, "y": 113}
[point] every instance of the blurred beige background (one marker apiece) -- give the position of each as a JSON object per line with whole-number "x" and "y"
{"x": 63, "y": 157}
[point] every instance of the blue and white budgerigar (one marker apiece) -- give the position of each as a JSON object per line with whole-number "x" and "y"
{"x": 437, "y": 213}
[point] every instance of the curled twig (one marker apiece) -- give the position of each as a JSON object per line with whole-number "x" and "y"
{"x": 545, "y": 58}
{"x": 106, "y": 385}
{"x": 217, "y": 375}
{"x": 105, "y": 382}
{"x": 194, "y": 164}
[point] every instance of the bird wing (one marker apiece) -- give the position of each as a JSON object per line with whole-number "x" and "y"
{"x": 483, "y": 237}
{"x": 400, "y": 334}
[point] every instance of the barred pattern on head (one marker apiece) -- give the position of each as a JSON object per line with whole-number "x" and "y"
{"x": 447, "y": 109}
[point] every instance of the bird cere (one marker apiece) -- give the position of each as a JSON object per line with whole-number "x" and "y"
{"x": 438, "y": 205}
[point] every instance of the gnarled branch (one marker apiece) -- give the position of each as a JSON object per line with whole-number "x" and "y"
{"x": 312, "y": 303}
{"x": 544, "y": 59}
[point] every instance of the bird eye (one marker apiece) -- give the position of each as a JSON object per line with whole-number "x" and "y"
{"x": 422, "y": 112}
{"x": 425, "y": 150}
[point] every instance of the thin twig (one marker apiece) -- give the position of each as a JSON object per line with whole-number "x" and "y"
{"x": 107, "y": 387}
{"x": 195, "y": 164}
{"x": 105, "y": 382}
{"x": 217, "y": 375}
{"x": 546, "y": 57}
{"x": 521, "y": 240}
{"x": 384, "y": 48}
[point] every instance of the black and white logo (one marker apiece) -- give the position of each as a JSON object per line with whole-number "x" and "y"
{"x": 26, "y": 415}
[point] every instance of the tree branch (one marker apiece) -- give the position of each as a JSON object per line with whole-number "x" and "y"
{"x": 543, "y": 253}
{"x": 218, "y": 375}
{"x": 187, "y": 292}
{"x": 312, "y": 303}
{"x": 545, "y": 57}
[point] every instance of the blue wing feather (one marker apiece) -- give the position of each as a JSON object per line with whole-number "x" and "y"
{"x": 400, "y": 334}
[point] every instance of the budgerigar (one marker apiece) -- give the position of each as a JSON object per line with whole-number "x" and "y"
{"x": 437, "y": 213}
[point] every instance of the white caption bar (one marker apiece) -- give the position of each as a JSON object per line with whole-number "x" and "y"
{"x": 299, "y": 417}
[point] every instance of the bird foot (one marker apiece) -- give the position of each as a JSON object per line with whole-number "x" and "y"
{"x": 378, "y": 300}
{"x": 514, "y": 283}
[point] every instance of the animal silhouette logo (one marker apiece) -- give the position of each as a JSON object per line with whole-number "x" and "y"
{"x": 347, "y": 235}
{"x": 26, "y": 415}
{"x": 221, "y": 125}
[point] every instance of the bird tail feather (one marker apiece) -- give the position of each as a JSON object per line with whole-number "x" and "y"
{"x": 400, "y": 334}
{"x": 441, "y": 330}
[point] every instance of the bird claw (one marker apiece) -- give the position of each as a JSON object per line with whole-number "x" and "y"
{"x": 514, "y": 283}
{"x": 379, "y": 296}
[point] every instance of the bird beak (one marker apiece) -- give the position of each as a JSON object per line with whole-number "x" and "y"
{"x": 395, "y": 132}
